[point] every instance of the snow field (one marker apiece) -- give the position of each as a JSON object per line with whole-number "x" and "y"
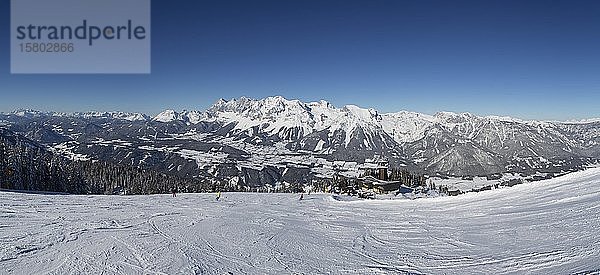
{"x": 546, "y": 227}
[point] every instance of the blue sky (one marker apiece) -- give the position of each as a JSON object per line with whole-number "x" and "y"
{"x": 529, "y": 59}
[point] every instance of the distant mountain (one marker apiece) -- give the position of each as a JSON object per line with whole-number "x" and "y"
{"x": 98, "y": 115}
{"x": 274, "y": 141}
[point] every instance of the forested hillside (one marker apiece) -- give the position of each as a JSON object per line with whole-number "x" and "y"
{"x": 27, "y": 165}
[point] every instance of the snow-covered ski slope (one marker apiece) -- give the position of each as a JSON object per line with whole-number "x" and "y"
{"x": 546, "y": 227}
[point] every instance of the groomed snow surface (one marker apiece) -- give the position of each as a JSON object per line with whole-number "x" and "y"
{"x": 546, "y": 227}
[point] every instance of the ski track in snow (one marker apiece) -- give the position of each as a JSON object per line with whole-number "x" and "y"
{"x": 546, "y": 227}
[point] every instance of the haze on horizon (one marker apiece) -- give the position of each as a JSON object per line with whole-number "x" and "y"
{"x": 524, "y": 59}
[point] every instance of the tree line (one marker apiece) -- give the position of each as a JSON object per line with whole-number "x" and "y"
{"x": 25, "y": 165}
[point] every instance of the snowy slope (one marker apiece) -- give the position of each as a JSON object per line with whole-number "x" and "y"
{"x": 547, "y": 227}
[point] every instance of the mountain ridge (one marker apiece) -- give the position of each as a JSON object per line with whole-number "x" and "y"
{"x": 508, "y": 118}
{"x": 233, "y": 138}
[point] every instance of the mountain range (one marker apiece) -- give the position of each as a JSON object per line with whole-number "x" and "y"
{"x": 273, "y": 140}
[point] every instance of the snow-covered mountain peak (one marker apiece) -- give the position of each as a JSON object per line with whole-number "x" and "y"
{"x": 451, "y": 117}
{"x": 85, "y": 115}
{"x": 112, "y": 115}
{"x": 187, "y": 117}
{"x": 29, "y": 113}
{"x": 366, "y": 115}
{"x": 166, "y": 116}
{"x": 136, "y": 117}
{"x": 270, "y": 107}
{"x": 581, "y": 121}
{"x": 505, "y": 119}
{"x": 193, "y": 117}
{"x": 407, "y": 126}
{"x": 321, "y": 104}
